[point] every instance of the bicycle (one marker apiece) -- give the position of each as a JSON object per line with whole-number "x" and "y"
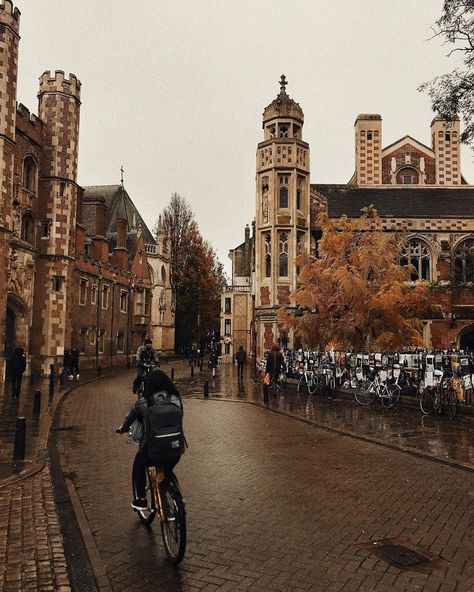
{"x": 308, "y": 381}
{"x": 165, "y": 499}
{"x": 367, "y": 390}
{"x": 327, "y": 380}
{"x": 139, "y": 380}
{"x": 440, "y": 397}
{"x": 258, "y": 374}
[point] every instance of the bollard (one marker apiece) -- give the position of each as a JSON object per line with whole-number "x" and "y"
{"x": 190, "y": 361}
{"x": 20, "y": 439}
{"x": 192, "y": 371}
{"x": 37, "y": 402}
{"x": 51, "y": 380}
{"x": 206, "y": 389}
{"x": 61, "y": 379}
{"x": 172, "y": 373}
{"x": 265, "y": 393}
{"x": 99, "y": 370}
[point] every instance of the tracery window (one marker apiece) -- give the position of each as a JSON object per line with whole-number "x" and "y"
{"x": 464, "y": 262}
{"x": 283, "y": 191}
{"x": 417, "y": 254}
{"x": 268, "y": 255}
{"x": 283, "y": 129}
{"x": 283, "y": 257}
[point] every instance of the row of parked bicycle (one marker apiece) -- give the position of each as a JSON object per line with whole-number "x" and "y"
{"x": 441, "y": 380}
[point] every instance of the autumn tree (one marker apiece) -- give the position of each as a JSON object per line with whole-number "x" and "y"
{"x": 197, "y": 276}
{"x": 355, "y": 295}
{"x": 452, "y": 94}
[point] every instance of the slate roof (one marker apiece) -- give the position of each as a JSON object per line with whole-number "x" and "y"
{"x": 399, "y": 202}
{"x": 119, "y": 205}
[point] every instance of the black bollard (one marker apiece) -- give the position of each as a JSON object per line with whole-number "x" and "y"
{"x": 61, "y": 379}
{"x": 172, "y": 373}
{"x": 51, "y": 380}
{"x": 192, "y": 371}
{"x": 99, "y": 370}
{"x": 20, "y": 439}
{"x": 37, "y": 402}
{"x": 190, "y": 361}
{"x": 265, "y": 393}
{"x": 206, "y": 389}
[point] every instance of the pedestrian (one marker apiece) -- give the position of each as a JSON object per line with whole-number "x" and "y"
{"x": 17, "y": 367}
{"x": 67, "y": 364}
{"x": 275, "y": 363}
{"x": 240, "y": 357}
{"x": 74, "y": 363}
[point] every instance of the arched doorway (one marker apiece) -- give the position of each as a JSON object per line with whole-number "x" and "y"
{"x": 466, "y": 339}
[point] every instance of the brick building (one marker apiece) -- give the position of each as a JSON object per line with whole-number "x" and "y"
{"x": 412, "y": 186}
{"x": 78, "y": 268}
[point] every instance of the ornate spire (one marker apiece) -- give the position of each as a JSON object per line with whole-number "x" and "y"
{"x": 283, "y": 84}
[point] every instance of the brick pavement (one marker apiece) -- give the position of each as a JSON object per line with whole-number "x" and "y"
{"x": 273, "y": 504}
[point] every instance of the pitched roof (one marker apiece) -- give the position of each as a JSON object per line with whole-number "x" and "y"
{"x": 399, "y": 202}
{"x": 119, "y": 205}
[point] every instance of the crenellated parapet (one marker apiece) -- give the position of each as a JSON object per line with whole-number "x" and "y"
{"x": 25, "y": 114}
{"x": 58, "y": 83}
{"x": 10, "y": 15}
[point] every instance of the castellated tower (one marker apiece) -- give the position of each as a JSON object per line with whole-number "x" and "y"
{"x": 9, "y": 38}
{"x": 283, "y": 213}
{"x": 445, "y": 143}
{"x": 368, "y": 147}
{"x": 59, "y": 107}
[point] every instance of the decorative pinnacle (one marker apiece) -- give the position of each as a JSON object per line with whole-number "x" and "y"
{"x": 121, "y": 175}
{"x": 283, "y": 84}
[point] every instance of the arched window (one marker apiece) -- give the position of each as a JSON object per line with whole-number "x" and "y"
{"x": 163, "y": 275}
{"x": 283, "y": 203}
{"x": 408, "y": 176}
{"x": 283, "y": 257}
{"x": 28, "y": 228}
{"x": 268, "y": 255}
{"x": 417, "y": 254}
{"x": 30, "y": 174}
{"x": 464, "y": 262}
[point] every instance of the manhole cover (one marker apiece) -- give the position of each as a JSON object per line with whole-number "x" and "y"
{"x": 401, "y": 555}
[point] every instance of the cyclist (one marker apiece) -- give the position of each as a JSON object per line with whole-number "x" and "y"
{"x": 147, "y": 358}
{"x": 156, "y": 384}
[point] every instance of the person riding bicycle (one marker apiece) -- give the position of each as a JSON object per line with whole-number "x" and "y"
{"x": 275, "y": 362}
{"x": 156, "y": 385}
{"x": 147, "y": 358}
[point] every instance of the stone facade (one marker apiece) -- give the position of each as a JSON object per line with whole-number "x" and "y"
{"x": 75, "y": 272}
{"x": 412, "y": 186}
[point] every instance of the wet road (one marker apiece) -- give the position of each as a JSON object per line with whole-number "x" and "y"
{"x": 273, "y": 504}
{"x": 402, "y": 426}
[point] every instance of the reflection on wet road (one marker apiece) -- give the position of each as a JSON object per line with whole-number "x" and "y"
{"x": 403, "y": 426}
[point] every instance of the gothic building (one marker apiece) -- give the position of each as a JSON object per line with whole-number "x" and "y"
{"x": 411, "y": 185}
{"x": 78, "y": 268}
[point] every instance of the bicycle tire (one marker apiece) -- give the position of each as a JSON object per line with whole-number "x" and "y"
{"x": 302, "y": 384}
{"x": 427, "y": 400}
{"x": 313, "y": 385}
{"x": 363, "y": 393}
{"x": 390, "y": 399}
{"x": 173, "y": 524}
{"x": 281, "y": 380}
{"x": 452, "y": 401}
{"x": 147, "y": 516}
{"x": 331, "y": 386}
{"x": 256, "y": 378}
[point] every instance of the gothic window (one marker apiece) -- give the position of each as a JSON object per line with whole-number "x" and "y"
{"x": 408, "y": 176}
{"x": 163, "y": 275}
{"x": 464, "y": 262}
{"x": 369, "y": 135}
{"x": 283, "y": 191}
{"x": 268, "y": 255}
{"x": 123, "y": 300}
{"x": 283, "y": 128}
{"x": 29, "y": 174}
{"x": 417, "y": 254}
{"x": 28, "y": 228}
{"x": 283, "y": 257}
{"x": 272, "y": 131}
{"x": 83, "y": 291}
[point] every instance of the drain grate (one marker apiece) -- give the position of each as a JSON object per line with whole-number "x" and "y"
{"x": 402, "y": 556}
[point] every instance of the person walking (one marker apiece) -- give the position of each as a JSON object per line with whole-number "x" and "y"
{"x": 17, "y": 367}
{"x": 241, "y": 357}
{"x": 275, "y": 363}
{"x": 74, "y": 363}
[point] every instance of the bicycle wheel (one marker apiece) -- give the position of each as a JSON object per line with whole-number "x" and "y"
{"x": 302, "y": 384}
{"x": 173, "y": 525}
{"x": 281, "y": 380}
{"x": 364, "y": 393}
{"x": 146, "y": 516}
{"x": 390, "y": 396}
{"x": 427, "y": 400}
{"x": 452, "y": 403}
{"x": 256, "y": 377}
{"x": 331, "y": 386}
{"x": 313, "y": 385}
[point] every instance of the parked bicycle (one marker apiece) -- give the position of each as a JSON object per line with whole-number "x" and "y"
{"x": 308, "y": 381}
{"x": 441, "y": 397}
{"x": 258, "y": 373}
{"x": 368, "y": 390}
{"x": 164, "y": 498}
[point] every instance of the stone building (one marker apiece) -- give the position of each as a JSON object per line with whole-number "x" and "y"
{"x": 412, "y": 186}
{"x": 77, "y": 269}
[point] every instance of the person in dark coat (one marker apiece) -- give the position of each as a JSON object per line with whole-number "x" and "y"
{"x": 67, "y": 363}
{"x": 17, "y": 367}
{"x": 241, "y": 357}
{"x": 74, "y": 363}
{"x": 275, "y": 362}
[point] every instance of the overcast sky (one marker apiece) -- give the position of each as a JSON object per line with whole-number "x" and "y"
{"x": 175, "y": 89}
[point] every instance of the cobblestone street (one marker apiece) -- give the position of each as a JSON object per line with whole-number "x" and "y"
{"x": 273, "y": 504}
